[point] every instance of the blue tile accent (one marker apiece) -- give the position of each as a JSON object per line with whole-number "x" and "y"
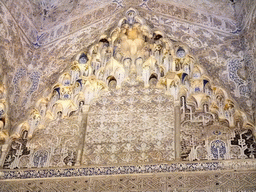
{"x": 113, "y": 170}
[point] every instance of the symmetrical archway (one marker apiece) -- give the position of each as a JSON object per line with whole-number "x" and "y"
{"x": 134, "y": 78}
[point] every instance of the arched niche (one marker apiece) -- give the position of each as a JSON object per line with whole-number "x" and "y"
{"x": 119, "y": 98}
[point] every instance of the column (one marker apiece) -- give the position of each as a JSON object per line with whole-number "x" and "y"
{"x": 177, "y": 132}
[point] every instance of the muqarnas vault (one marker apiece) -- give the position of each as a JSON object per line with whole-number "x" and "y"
{"x": 135, "y": 101}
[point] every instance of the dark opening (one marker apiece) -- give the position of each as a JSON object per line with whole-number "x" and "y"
{"x": 153, "y": 79}
{"x": 181, "y": 52}
{"x": 112, "y": 82}
{"x": 83, "y": 58}
{"x": 105, "y": 42}
{"x": 157, "y": 37}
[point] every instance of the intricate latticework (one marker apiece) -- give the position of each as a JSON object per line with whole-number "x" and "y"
{"x": 212, "y": 128}
{"x": 130, "y": 125}
{"x": 136, "y": 97}
{"x": 46, "y": 149}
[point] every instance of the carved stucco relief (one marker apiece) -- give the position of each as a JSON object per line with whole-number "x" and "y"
{"x": 136, "y": 96}
{"x": 247, "y": 21}
{"x": 216, "y": 51}
{"x": 135, "y": 68}
{"x": 29, "y": 79}
{"x": 55, "y": 145}
{"x": 215, "y": 47}
{"x": 216, "y": 181}
{"x": 130, "y": 125}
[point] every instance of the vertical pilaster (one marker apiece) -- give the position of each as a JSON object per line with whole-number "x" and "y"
{"x": 84, "y": 115}
{"x": 5, "y": 149}
{"x": 177, "y": 131}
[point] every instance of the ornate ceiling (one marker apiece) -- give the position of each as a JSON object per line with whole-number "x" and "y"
{"x": 39, "y": 40}
{"x": 40, "y": 19}
{"x": 155, "y": 85}
{"x": 45, "y": 14}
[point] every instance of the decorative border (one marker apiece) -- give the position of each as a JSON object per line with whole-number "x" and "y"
{"x": 122, "y": 170}
{"x": 167, "y": 11}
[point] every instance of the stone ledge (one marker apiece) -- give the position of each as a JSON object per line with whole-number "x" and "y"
{"x": 81, "y": 171}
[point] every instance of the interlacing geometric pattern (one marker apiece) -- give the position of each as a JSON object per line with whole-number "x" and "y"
{"x": 48, "y": 149}
{"x": 131, "y": 125}
{"x": 182, "y": 182}
{"x": 134, "y": 97}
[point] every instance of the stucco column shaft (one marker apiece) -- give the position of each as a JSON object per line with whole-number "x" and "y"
{"x": 5, "y": 149}
{"x": 85, "y": 112}
{"x": 177, "y": 132}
